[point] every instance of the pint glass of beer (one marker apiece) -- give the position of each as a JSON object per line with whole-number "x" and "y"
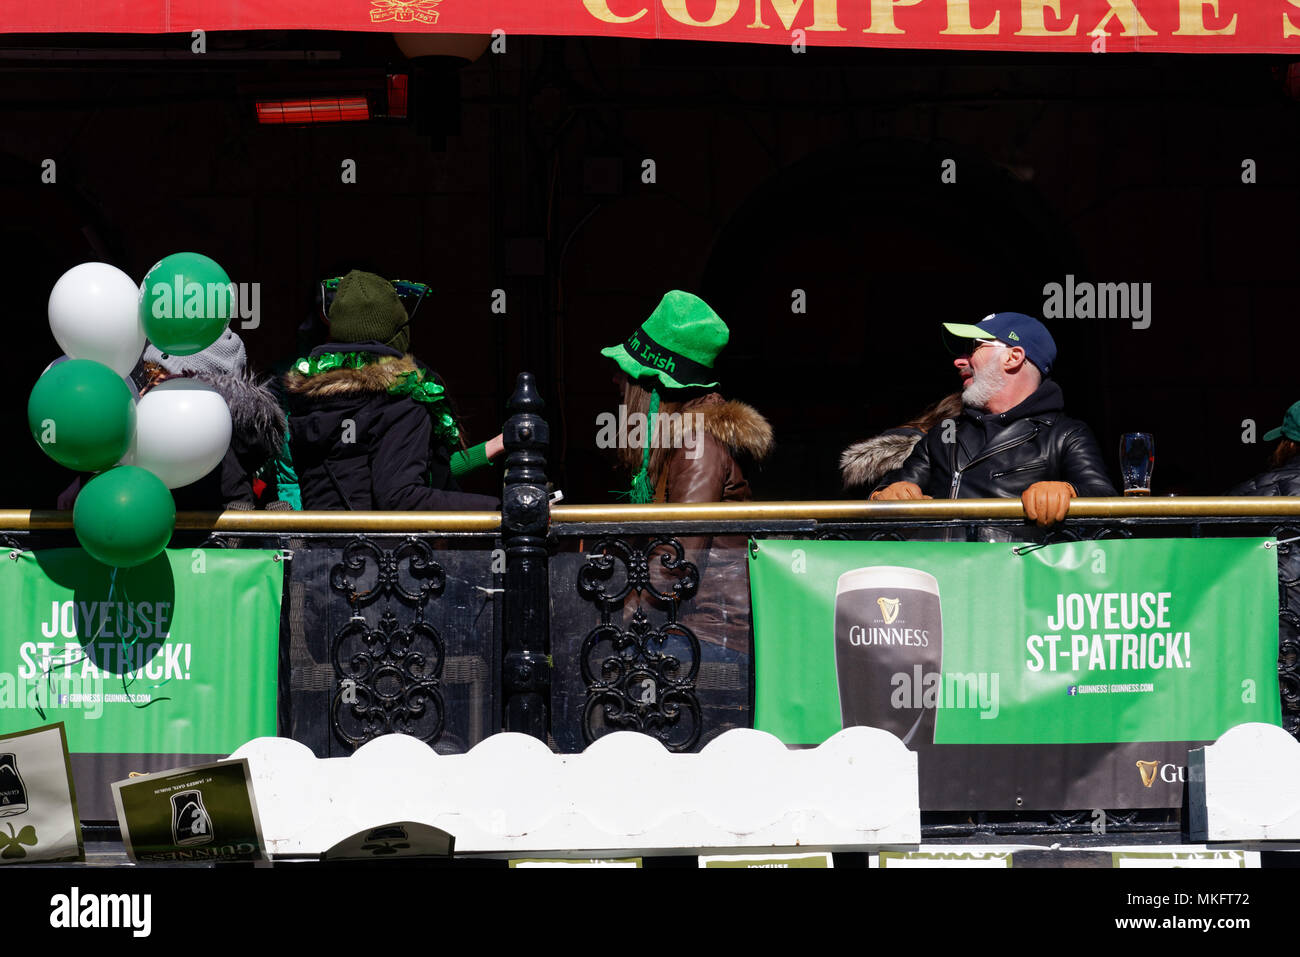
{"x": 191, "y": 823}
{"x": 13, "y": 793}
{"x": 1137, "y": 460}
{"x": 888, "y": 640}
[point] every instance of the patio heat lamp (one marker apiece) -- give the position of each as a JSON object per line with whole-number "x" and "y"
{"x": 426, "y": 93}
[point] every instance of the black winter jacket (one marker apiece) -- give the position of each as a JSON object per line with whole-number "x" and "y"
{"x": 356, "y": 446}
{"x": 1279, "y": 481}
{"x": 999, "y": 455}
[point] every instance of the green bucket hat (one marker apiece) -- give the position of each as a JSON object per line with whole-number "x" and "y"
{"x": 677, "y": 344}
{"x": 1290, "y": 426}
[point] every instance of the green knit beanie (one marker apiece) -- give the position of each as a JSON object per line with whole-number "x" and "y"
{"x": 366, "y": 308}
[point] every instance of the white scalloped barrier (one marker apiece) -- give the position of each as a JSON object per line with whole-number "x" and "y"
{"x": 1245, "y": 786}
{"x": 511, "y": 795}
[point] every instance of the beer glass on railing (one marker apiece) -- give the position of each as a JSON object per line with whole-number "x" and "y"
{"x": 1137, "y": 459}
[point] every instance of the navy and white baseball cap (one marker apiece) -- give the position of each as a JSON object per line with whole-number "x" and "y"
{"x": 1015, "y": 329}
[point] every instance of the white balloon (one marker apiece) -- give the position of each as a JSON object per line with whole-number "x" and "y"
{"x": 95, "y": 314}
{"x": 182, "y": 431}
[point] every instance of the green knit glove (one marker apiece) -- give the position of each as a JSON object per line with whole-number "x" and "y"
{"x": 469, "y": 460}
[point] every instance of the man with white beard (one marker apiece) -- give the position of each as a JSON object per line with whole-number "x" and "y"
{"x": 1012, "y": 438}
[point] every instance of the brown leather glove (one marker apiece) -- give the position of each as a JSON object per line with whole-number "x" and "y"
{"x": 897, "y": 492}
{"x": 1047, "y": 502}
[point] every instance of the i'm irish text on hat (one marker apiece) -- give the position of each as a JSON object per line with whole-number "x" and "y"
{"x": 647, "y": 354}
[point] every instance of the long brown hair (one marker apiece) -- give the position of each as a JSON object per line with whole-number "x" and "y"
{"x": 636, "y": 399}
{"x": 949, "y": 407}
{"x": 1285, "y": 451}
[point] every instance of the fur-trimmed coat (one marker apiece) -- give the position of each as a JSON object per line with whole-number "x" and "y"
{"x": 257, "y": 435}
{"x": 865, "y": 463}
{"x": 356, "y": 446}
{"x": 709, "y": 471}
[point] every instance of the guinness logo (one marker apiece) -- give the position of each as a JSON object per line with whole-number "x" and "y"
{"x": 404, "y": 11}
{"x": 888, "y": 608}
{"x": 1148, "y": 771}
{"x": 387, "y": 840}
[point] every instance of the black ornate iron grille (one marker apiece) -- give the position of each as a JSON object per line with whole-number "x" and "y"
{"x": 650, "y": 634}
{"x": 640, "y": 677}
{"x": 393, "y": 635}
{"x": 390, "y": 675}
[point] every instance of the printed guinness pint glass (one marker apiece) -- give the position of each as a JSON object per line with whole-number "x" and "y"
{"x": 888, "y": 641}
{"x": 190, "y": 821}
{"x": 13, "y": 793}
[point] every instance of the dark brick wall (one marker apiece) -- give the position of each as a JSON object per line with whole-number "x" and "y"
{"x": 774, "y": 172}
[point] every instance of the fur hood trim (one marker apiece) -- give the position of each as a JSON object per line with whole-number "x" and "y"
{"x": 867, "y": 462}
{"x": 736, "y": 425}
{"x": 372, "y": 378}
{"x": 255, "y": 413}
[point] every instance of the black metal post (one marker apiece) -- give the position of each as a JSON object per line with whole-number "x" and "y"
{"x": 525, "y": 520}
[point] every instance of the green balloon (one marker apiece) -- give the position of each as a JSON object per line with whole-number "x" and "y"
{"x": 186, "y": 302}
{"x": 124, "y": 517}
{"x": 82, "y": 415}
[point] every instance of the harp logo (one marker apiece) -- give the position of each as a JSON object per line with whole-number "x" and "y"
{"x": 888, "y": 609}
{"x": 404, "y": 11}
{"x": 1148, "y": 771}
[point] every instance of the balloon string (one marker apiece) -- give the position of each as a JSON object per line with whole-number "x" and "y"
{"x": 54, "y": 664}
{"x": 128, "y": 677}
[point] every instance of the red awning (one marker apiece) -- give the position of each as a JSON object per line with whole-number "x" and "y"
{"x": 1100, "y": 26}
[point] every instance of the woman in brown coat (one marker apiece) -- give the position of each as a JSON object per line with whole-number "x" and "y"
{"x": 685, "y": 443}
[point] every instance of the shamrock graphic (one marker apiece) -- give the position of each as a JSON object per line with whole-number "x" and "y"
{"x": 13, "y": 844}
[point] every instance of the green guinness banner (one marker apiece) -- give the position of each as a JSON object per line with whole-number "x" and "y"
{"x": 1001, "y": 653}
{"x": 147, "y": 666}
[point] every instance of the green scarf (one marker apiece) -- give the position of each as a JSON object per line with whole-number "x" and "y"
{"x": 417, "y": 384}
{"x": 641, "y": 492}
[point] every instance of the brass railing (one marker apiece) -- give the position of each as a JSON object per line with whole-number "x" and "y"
{"x": 947, "y": 510}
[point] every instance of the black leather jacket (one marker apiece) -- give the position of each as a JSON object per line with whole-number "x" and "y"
{"x": 1284, "y": 480}
{"x": 999, "y": 455}
{"x": 1279, "y": 481}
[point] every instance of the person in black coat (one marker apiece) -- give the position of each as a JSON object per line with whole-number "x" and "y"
{"x": 1283, "y": 478}
{"x": 1013, "y": 438}
{"x": 369, "y": 427}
